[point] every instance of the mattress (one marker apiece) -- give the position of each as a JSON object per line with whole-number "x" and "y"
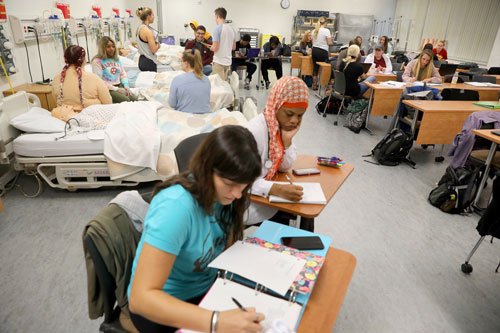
{"x": 46, "y": 145}
{"x": 160, "y": 68}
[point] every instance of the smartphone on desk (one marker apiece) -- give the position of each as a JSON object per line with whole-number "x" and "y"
{"x": 303, "y": 242}
{"x": 307, "y": 171}
{"x": 496, "y": 133}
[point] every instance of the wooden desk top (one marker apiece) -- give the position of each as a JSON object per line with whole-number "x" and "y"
{"x": 377, "y": 85}
{"x": 330, "y": 179}
{"x": 484, "y": 134}
{"x": 461, "y": 70}
{"x": 323, "y": 64}
{"x": 445, "y": 106}
{"x": 33, "y": 88}
{"x": 383, "y": 77}
{"x": 304, "y": 57}
{"x": 328, "y": 293}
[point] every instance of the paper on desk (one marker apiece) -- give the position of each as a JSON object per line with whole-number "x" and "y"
{"x": 274, "y": 270}
{"x": 219, "y": 298}
{"x": 482, "y": 84}
{"x": 313, "y": 194}
{"x": 421, "y": 83}
{"x": 393, "y": 84}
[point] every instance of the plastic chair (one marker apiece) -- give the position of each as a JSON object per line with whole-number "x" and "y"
{"x": 185, "y": 150}
{"x": 338, "y": 91}
{"x": 397, "y": 66}
{"x": 451, "y": 94}
{"x": 461, "y": 79}
{"x": 399, "y": 76}
{"x": 494, "y": 70}
{"x": 484, "y": 78}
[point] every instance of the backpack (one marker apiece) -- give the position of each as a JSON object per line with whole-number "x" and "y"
{"x": 356, "y": 116}
{"x": 467, "y": 65}
{"x": 456, "y": 189}
{"x": 333, "y": 105}
{"x": 401, "y": 58}
{"x": 393, "y": 149}
{"x": 286, "y": 50}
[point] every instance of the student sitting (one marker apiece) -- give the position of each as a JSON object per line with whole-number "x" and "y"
{"x": 271, "y": 49}
{"x": 147, "y": 44}
{"x": 274, "y": 130}
{"x": 422, "y": 69}
{"x": 194, "y": 25}
{"x": 192, "y": 218}
{"x": 384, "y": 40}
{"x": 343, "y": 54}
{"x": 206, "y": 55}
{"x": 108, "y": 67}
{"x": 242, "y": 47}
{"x": 360, "y": 42}
{"x": 305, "y": 46}
{"x": 352, "y": 72}
{"x": 428, "y": 46}
{"x": 440, "y": 51}
{"x": 381, "y": 63}
{"x": 190, "y": 92}
{"x": 74, "y": 86}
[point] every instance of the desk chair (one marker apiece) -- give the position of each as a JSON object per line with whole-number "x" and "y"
{"x": 494, "y": 70}
{"x": 399, "y": 76}
{"x": 484, "y": 78}
{"x": 451, "y": 94}
{"x": 461, "y": 78}
{"x": 186, "y": 148}
{"x": 338, "y": 91}
{"x": 479, "y": 71}
{"x": 397, "y": 66}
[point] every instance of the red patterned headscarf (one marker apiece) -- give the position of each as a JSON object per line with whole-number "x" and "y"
{"x": 74, "y": 55}
{"x": 289, "y": 91}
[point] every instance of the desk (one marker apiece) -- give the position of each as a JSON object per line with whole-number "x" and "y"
{"x": 325, "y": 73}
{"x": 331, "y": 179}
{"x": 495, "y": 140}
{"x": 384, "y": 100}
{"x": 296, "y": 62}
{"x": 383, "y": 77}
{"x": 328, "y": 293}
{"x": 306, "y": 67}
{"x": 43, "y": 91}
{"x": 441, "y": 120}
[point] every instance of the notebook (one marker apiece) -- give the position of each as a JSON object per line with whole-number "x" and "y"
{"x": 393, "y": 84}
{"x": 313, "y": 194}
{"x": 489, "y": 105}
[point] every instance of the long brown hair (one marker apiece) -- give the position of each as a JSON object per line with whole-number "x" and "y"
{"x": 193, "y": 58}
{"x": 101, "y": 48}
{"x": 386, "y": 42}
{"x": 427, "y": 72}
{"x": 230, "y": 152}
{"x": 305, "y": 39}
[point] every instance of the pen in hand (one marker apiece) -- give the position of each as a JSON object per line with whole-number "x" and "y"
{"x": 289, "y": 180}
{"x": 238, "y": 304}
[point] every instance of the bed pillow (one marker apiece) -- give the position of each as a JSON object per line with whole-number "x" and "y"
{"x": 38, "y": 120}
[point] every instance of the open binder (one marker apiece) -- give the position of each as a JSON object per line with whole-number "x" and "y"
{"x": 264, "y": 275}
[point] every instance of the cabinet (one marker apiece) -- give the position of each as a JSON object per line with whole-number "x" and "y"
{"x": 43, "y": 91}
{"x": 306, "y": 20}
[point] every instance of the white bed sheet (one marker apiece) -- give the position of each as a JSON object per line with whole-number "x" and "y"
{"x": 45, "y": 145}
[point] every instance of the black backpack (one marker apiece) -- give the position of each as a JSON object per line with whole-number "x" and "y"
{"x": 402, "y": 58}
{"x": 456, "y": 189}
{"x": 393, "y": 149}
{"x": 286, "y": 50}
{"x": 333, "y": 105}
{"x": 467, "y": 65}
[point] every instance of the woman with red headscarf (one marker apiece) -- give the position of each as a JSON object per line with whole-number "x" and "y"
{"x": 75, "y": 87}
{"x": 273, "y": 131}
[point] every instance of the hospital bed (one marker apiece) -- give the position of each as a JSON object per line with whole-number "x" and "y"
{"x": 78, "y": 161}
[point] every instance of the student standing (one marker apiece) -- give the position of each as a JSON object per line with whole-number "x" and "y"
{"x": 107, "y": 65}
{"x": 223, "y": 45}
{"x": 271, "y": 49}
{"x": 274, "y": 130}
{"x": 242, "y": 47}
{"x": 146, "y": 37}
{"x": 322, "y": 39}
{"x": 381, "y": 63}
{"x": 206, "y": 54}
{"x": 192, "y": 218}
{"x": 190, "y": 92}
{"x": 422, "y": 69}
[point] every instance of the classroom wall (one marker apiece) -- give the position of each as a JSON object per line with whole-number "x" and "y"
{"x": 494, "y": 60}
{"x": 51, "y": 51}
{"x": 265, "y": 15}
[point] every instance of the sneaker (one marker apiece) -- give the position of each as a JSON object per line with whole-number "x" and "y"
{"x": 247, "y": 84}
{"x": 268, "y": 84}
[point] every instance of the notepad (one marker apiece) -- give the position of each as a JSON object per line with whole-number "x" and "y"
{"x": 393, "y": 84}
{"x": 482, "y": 84}
{"x": 313, "y": 194}
{"x": 489, "y": 105}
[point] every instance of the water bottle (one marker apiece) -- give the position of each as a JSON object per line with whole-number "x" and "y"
{"x": 454, "y": 79}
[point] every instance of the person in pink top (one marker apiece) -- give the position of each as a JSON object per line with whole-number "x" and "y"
{"x": 422, "y": 69}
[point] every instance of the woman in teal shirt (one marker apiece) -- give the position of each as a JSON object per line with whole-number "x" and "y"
{"x": 193, "y": 217}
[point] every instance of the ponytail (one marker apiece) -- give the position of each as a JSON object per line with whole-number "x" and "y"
{"x": 320, "y": 22}
{"x": 193, "y": 58}
{"x": 143, "y": 13}
{"x": 352, "y": 53}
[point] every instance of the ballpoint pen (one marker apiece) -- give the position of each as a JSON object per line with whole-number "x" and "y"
{"x": 289, "y": 180}
{"x": 238, "y": 304}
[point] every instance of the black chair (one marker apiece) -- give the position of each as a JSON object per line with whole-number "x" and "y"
{"x": 397, "y": 66}
{"x": 338, "y": 91}
{"x": 494, "y": 70}
{"x": 484, "y": 78}
{"x": 451, "y": 94}
{"x": 186, "y": 148}
{"x": 399, "y": 76}
{"x": 479, "y": 71}
{"x": 465, "y": 78}
{"x": 461, "y": 79}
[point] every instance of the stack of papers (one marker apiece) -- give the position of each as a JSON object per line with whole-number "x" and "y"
{"x": 483, "y": 84}
{"x": 393, "y": 84}
{"x": 420, "y": 83}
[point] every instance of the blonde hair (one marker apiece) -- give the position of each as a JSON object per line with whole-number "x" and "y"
{"x": 320, "y": 22}
{"x": 305, "y": 38}
{"x": 101, "y": 49}
{"x": 352, "y": 53}
{"x": 193, "y": 58}
{"x": 427, "y": 71}
{"x": 143, "y": 13}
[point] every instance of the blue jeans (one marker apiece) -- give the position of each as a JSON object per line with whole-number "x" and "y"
{"x": 207, "y": 69}
{"x": 363, "y": 87}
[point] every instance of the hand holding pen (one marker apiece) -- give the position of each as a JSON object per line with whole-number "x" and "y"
{"x": 240, "y": 320}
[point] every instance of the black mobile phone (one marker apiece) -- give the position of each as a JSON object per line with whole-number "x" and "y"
{"x": 303, "y": 242}
{"x": 496, "y": 133}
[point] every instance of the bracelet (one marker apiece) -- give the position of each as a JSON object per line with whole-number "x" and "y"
{"x": 215, "y": 317}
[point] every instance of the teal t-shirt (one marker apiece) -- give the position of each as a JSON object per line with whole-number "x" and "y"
{"x": 176, "y": 224}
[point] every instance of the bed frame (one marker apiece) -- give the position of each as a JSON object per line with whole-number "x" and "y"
{"x": 65, "y": 172}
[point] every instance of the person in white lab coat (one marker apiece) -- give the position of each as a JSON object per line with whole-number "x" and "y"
{"x": 273, "y": 131}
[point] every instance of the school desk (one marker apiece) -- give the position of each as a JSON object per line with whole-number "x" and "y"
{"x": 441, "y": 120}
{"x": 495, "y": 140}
{"x": 331, "y": 179}
{"x": 306, "y": 67}
{"x": 384, "y": 100}
{"x": 325, "y": 73}
{"x": 383, "y": 77}
{"x": 328, "y": 293}
{"x": 296, "y": 62}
